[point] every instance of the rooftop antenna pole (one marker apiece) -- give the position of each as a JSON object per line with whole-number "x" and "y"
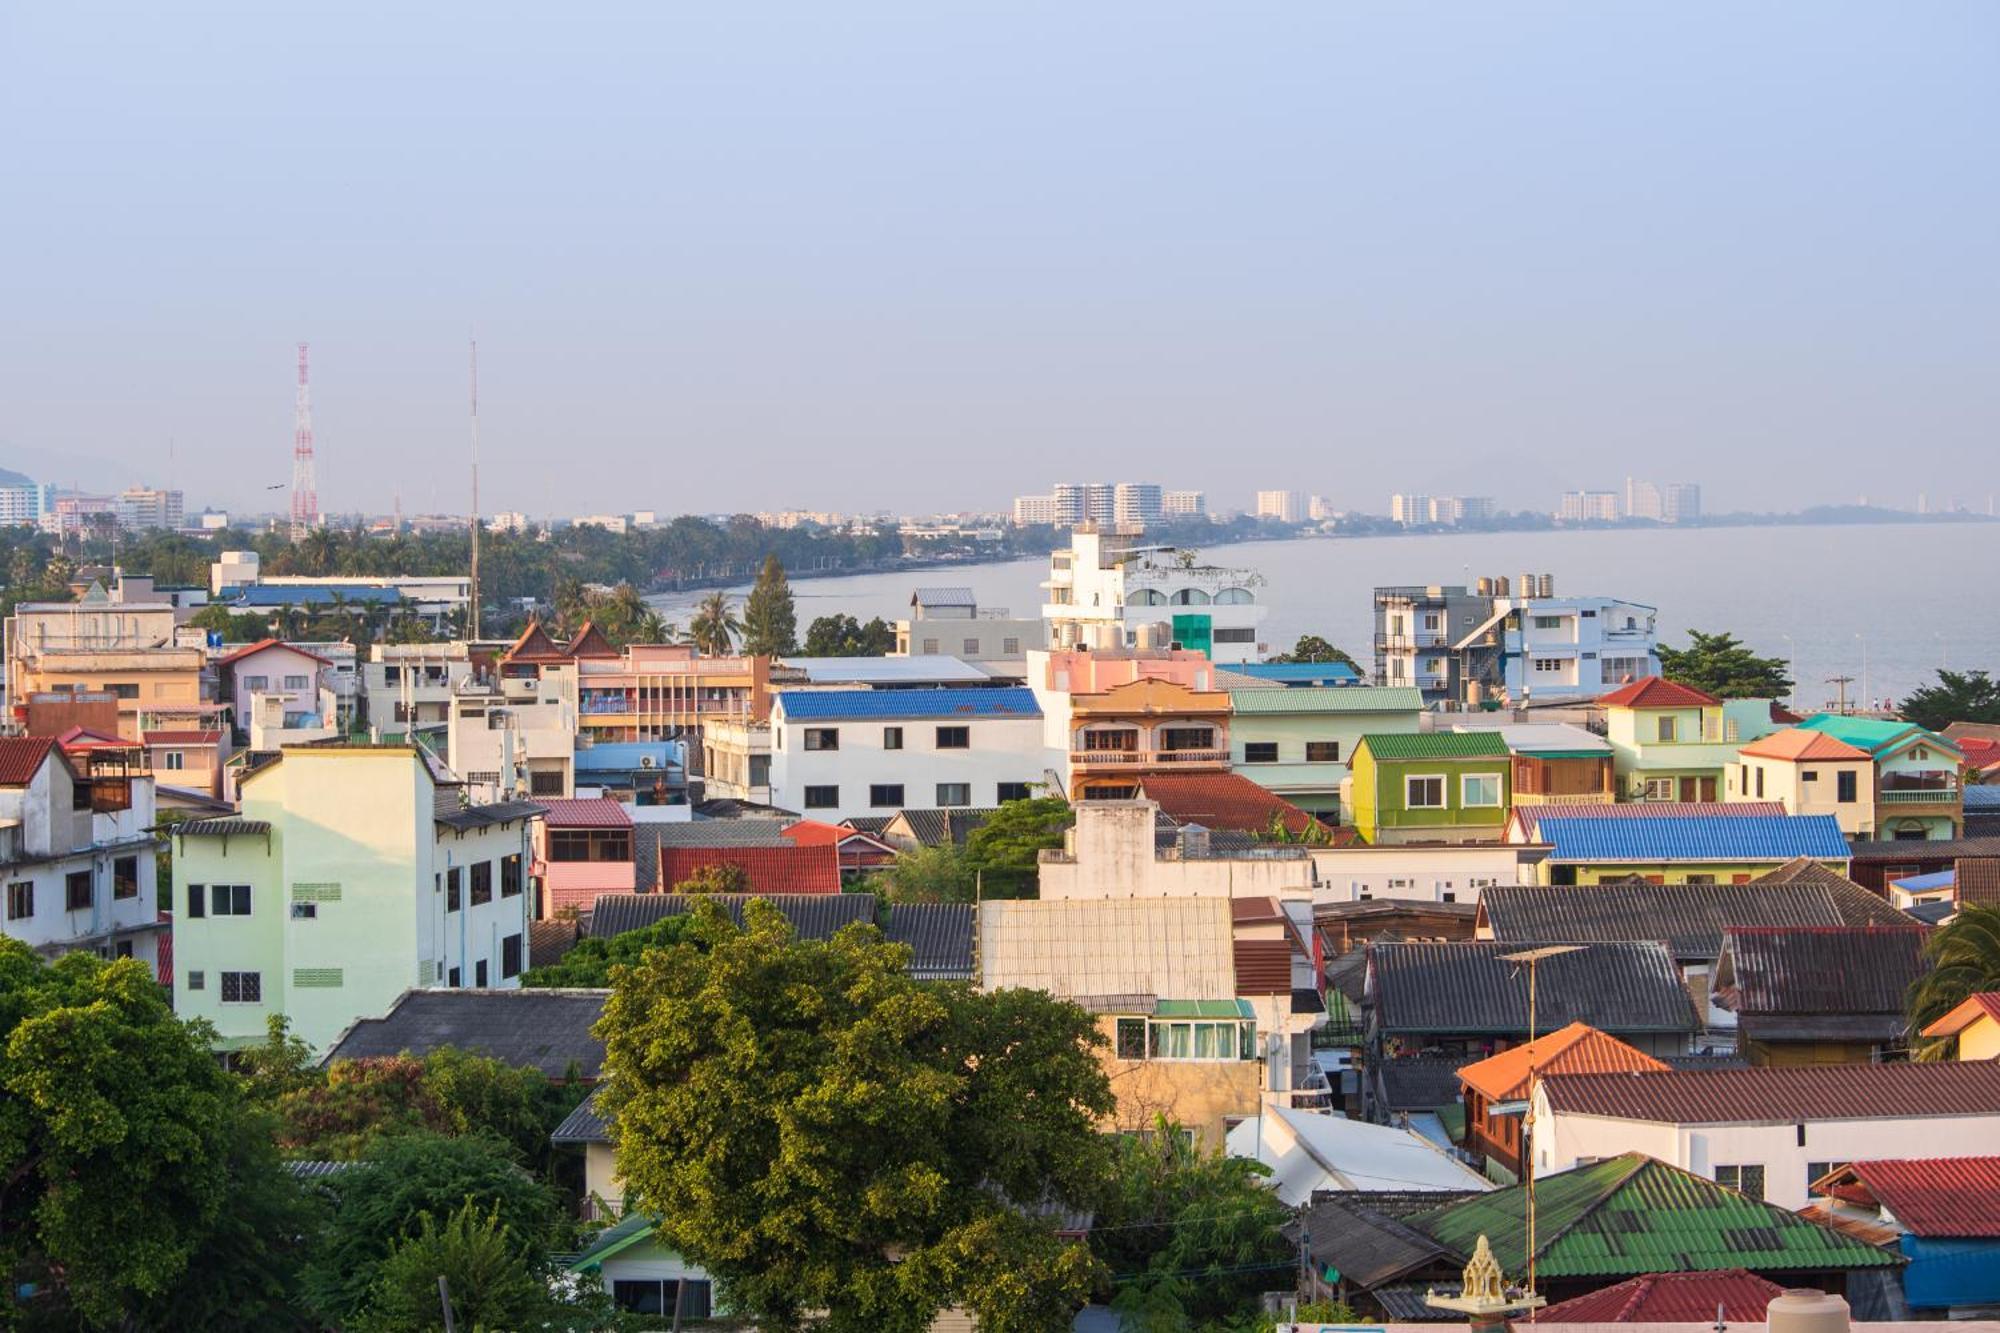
{"x": 1533, "y": 959}
{"x": 472, "y": 619}
{"x": 305, "y": 486}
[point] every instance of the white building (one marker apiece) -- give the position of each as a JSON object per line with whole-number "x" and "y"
{"x": 1769, "y": 1132}
{"x": 1410, "y": 510}
{"x": 140, "y": 508}
{"x": 23, "y": 505}
{"x": 407, "y": 685}
{"x": 1184, "y": 504}
{"x": 237, "y": 577}
{"x": 1680, "y": 502}
{"x": 1114, "y": 851}
{"x": 1106, "y": 587}
{"x": 515, "y": 736}
{"x": 1034, "y": 510}
{"x": 1419, "y": 873}
{"x": 1550, "y": 648}
{"x": 841, "y": 753}
{"x": 1318, "y": 1150}
{"x": 77, "y": 849}
{"x": 949, "y": 622}
{"x": 352, "y": 875}
{"x": 1588, "y": 507}
{"x": 1284, "y": 506}
{"x": 1136, "y": 502}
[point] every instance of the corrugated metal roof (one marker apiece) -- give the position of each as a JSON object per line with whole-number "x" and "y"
{"x": 226, "y": 827}
{"x": 1704, "y": 839}
{"x": 1263, "y": 967}
{"x": 1167, "y": 948}
{"x": 1670, "y": 1298}
{"x": 1800, "y": 743}
{"x": 1435, "y": 745}
{"x": 1575, "y": 1049}
{"x": 1868, "y": 733}
{"x": 601, "y": 813}
{"x": 946, "y": 705}
{"x": 1293, "y": 672}
{"x": 783, "y": 867}
{"x": 1985, "y": 797}
{"x": 1228, "y": 801}
{"x": 814, "y": 916}
{"x": 1466, "y": 987}
{"x": 1530, "y": 817}
{"x": 490, "y": 816}
{"x": 21, "y": 757}
{"x": 939, "y": 936}
{"x": 1773, "y": 1094}
{"x": 944, "y": 596}
{"x": 548, "y": 1030}
{"x": 1259, "y": 699}
{"x": 1420, "y": 1082}
{"x": 916, "y": 669}
{"x": 1690, "y": 918}
{"x": 584, "y": 1124}
{"x": 1827, "y": 971}
{"x": 1976, "y": 879}
{"x": 1933, "y": 849}
{"x": 1937, "y": 1197}
{"x": 716, "y": 832}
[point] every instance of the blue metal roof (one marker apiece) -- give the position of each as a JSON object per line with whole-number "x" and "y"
{"x": 1302, "y": 673}
{"x": 1937, "y": 879}
{"x": 1702, "y": 838}
{"x": 306, "y": 595}
{"x": 860, "y": 705}
{"x": 1983, "y": 798}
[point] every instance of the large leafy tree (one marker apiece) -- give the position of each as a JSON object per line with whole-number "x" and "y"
{"x": 844, "y": 636}
{"x": 1968, "y": 696}
{"x": 825, "y": 1134}
{"x": 929, "y": 875}
{"x": 1004, "y": 853}
{"x": 1964, "y": 954}
{"x": 589, "y": 961}
{"x": 770, "y": 618}
{"x": 1190, "y": 1236}
{"x": 124, "y": 1146}
{"x": 1722, "y": 666}
{"x": 1312, "y": 648}
{"x": 491, "y": 1273}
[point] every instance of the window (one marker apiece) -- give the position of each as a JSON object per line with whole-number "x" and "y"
{"x": 1233, "y": 635}
{"x": 1548, "y": 622}
{"x": 1124, "y": 742}
{"x": 454, "y": 887}
{"x": 1013, "y": 791}
{"x": 930, "y": 647}
{"x": 1479, "y": 790}
{"x": 77, "y": 891}
{"x": 892, "y": 738}
{"x": 886, "y": 795}
{"x": 305, "y": 911}
{"x": 575, "y": 844}
{"x": 1760, "y": 781}
{"x": 173, "y": 761}
{"x": 197, "y": 981}
{"x": 256, "y": 682}
{"x": 296, "y": 682}
{"x": 453, "y": 978}
{"x": 229, "y": 900}
{"x": 1010, "y": 647}
{"x": 1845, "y": 787}
{"x": 510, "y": 955}
{"x": 822, "y": 738}
{"x": 1187, "y": 738}
{"x": 690, "y": 1297}
{"x": 1322, "y": 752}
{"x": 1700, "y": 879}
{"x": 971, "y": 647}
{"x": 954, "y": 738}
{"x": 822, "y": 798}
{"x": 1657, "y": 789}
{"x": 197, "y": 900}
{"x": 125, "y": 877}
{"x": 1198, "y": 1040}
{"x": 242, "y": 987}
{"x": 479, "y": 974}
{"x": 1431, "y": 620}
{"x": 1668, "y": 725}
{"x": 1816, "y": 1171}
{"x": 1131, "y": 1039}
{"x": 954, "y": 793}
{"x": 1808, "y": 775}
{"x": 1260, "y": 752}
{"x": 482, "y": 883}
{"x": 1749, "y": 1179}
{"x": 545, "y": 784}
{"x": 1551, "y": 665}
{"x": 20, "y": 900}
{"x": 510, "y": 875}
{"x": 1423, "y": 793}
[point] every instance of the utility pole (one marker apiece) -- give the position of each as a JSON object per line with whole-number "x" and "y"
{"x": 1533, "y": 958}
{"x": 1840, "y": 684}
{"x": 472, "y": 616}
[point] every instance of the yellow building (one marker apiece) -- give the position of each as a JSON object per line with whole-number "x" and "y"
{"x": 1976, "y": 1024}
{"x": 124, "y": 649}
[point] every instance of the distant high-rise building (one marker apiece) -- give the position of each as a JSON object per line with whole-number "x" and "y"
{"x": 1681, "y": 502}
{"x": 1184, "y": 504}
{"x": 1588, "y": 507}
{"x": 1100, "y": 502}
{"x": 25, "y": 503}
{"x": 1069, "y": 501}
{"x": 1410, "y": 511}
{"x": 1285, "y": 506}
{"x": 1137, "y": 502}
{"x": 1643, "y": 500}
{"x": 1319, "y": 509}
{"x": 1034, "y": 510}
{"x": 140, "y": 508}
{"x": 1476, "y": 508}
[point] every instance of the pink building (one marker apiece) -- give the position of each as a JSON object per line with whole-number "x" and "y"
{"x": 582, "y": 848}
{"x": 273, "y": 667}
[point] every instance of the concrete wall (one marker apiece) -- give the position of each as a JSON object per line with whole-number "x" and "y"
{"x": 1001, "y": 750}
{"x": 1111, "y": 854}
{"x": 1195, "y": 1093}
{"x": 1423, "y": 874}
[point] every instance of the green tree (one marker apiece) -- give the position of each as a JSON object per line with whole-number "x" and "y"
{"x": 1720, "y": 665}
{"x": 1004, "y": 853}
{"x": 381, "y": 1203}
{"x": 1958, "y": 696}
{"x": 928, "y": 875}
{"x": 1190, "y": 1236}
{"x": 714, "y": 627}
{"x": 590, "y": 961}
{"x": 770, "y": 618}
{"x": 115, "y": 1122}
{"x": 844, "y": 636}
{"x": 491, "y": 1274}
{"x": 1312, "y": 648}
{"x": 1964, "y": 954}
{"x": 719, "y": 878}
{"x": 823, "y": 1133}
{"x": 234, "y": 626}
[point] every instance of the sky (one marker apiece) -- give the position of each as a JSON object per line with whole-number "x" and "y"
{"x": 928, "y": 256}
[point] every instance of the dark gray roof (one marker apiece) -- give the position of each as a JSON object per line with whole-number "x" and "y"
{"x": 867, "y": 823}
{"x": 1406, "y": 1305}
{"x": 584, "y": 1124}
{"x": 1466, "y": 988}
{"x": 1932, "y": 914}
{"x": 1420, "y": 1082}
{"x": 1689, "y": 918}
{"x": 1946, "y": 849}
{"x": 815, "y": 916}
{"x": 224, "y": 827}
{"x": 934, "y": 828}
{"x": 939, "y": 936}
{"x": 1803, "y": 984}
{"x": 547, "y": 1030}
{"x": 717, "y": 833}
{"x": 1704, "y": 1061}
{"x": 645, "y": 856}
{"x": 1365, "y": 1244}
{"x": 490, "y": 816}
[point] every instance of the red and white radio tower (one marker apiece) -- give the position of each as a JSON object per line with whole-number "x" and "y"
{"x": 305, "y": 487}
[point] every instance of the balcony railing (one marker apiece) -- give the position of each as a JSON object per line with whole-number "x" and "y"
{"x": 1145, "y": 758}
{"x": 1947, "y": 795}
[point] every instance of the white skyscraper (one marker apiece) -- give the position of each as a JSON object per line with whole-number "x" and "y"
{"x": 1410, "y": 510}
{"x": 1285, "y": 506}
{"x": 1137, "y": 502}
{"x": 1184, "y": 504}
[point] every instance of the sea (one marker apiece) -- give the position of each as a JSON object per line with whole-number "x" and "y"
{"x": 1887, "y": 604}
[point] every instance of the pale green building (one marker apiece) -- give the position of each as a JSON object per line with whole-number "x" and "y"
{"x": 1297, "y": 742}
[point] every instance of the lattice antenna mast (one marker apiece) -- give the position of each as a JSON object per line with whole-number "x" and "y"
{"x": 305, "y": 485}
{"x": 472, "y": 616}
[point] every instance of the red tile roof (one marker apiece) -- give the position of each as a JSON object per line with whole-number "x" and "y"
{"x": 259, "y": 646}
{"x": 1797, "y": 743}
{"x": 1986, "y": 1004}
{"x": 784, "y": 868}
{"x": 1657, "y": 692}
{"x": 1222, "y": 801}
{"x": 1576, "y": 1049}
{"x": 21, "y": 757}
{"x": 83, "y": 738}
{"x": 590, "y": 642}
{"x": 587, "y": 813}
{"x": 1263, "y": 967}
{"x": 1976, "y": 879}
{"x": 1944, "y": 1196}
{"x": 1670, "y": 1298}
{"x": 1981, "y": 752}
{"x": 1772, "y": 1094}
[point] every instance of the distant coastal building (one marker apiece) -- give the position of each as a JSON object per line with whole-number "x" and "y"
{"x": 1127, "y": 503}
{"x": 1410, "y": 510}
{"x": 1675, "y": 502}
{"x": 24, "y": 503}
{"x": 1106, "y": 590}
{"x": 143, "y": 508}
{"x": 1588, "y": 507}
{"x": 1137, "y": 502}
{"x": 949, "y": 621}
{"x": 1284, "y": 506}
{"x": 1034, "y": 510}
{"x": 1184, "y": 504}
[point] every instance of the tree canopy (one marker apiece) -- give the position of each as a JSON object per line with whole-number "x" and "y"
{"x": 1965, "y": 961}
{"x": 1312, "y": 648}
{"x": 1720, "y": 665}
{"x": 589, "y": 961}
{"x": 1004, "y": 852}
{"x": 844, "y": 636}
{"x": 1967, "y": 696}
{"x": 770, "y": 618}
{"x": 928, "y": 875}
{"x": 823, "y": 1133}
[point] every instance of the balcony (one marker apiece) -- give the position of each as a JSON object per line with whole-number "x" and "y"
{"x": 1944, "y": 793}
{"x": 1136, "y": 759}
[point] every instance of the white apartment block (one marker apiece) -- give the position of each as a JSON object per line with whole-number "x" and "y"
{"x": 1184, "y": 504}
{"x": 842, "y": 753}
{"x": 143, "y": 507}
{"x": 410, "y": 685}
{"x": 1139, "y": 503}
{"x": 1409, "y": 509}
{"x": 1105, "y": 589}
{"x": 1284, "y": 506}
{"x": 1034, "y": 510}
{"x": 514, "y": 736}
{"x": 23, "y": 506}
{"x": 1415, "y": 873}
{"x": 1588, "y": 507}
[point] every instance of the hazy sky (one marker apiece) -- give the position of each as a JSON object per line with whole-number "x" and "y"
{"x": 929, "y": 255}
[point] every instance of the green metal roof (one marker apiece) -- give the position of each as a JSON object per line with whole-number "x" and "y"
{"x": 1203, "y": 1009}
{"x": 1436, "y": 745}
{"x": 630, "y": 1230}
{"x": 1867, "y": 733}
{"x": 1630, "y": 1215}
{"x": 1328, "y": 699}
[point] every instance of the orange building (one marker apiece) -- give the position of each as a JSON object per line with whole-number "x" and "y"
{"x": 1506, "y": 1080}
{"x": 1119, "y": 715}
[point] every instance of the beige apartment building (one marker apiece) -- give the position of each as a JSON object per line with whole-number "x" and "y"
{"x": 124, "y": 649}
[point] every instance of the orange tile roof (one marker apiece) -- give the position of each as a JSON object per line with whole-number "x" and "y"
{"x": 1657, "y": 692}
{"x": 1800, "y": 743}
{"x": 1222, "y": 801}
{"x": 782, "y": 868}
{"x": 21, "y": 757}
{"x": 1576, "y": 1049}
{"x": 1986, "y": 1004}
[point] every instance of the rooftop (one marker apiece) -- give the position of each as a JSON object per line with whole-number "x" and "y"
{"x": 1262, "y": 698}
{"x": 1690, "y": 918}
{"x": 1576, "y": 1048}
{"x": 1435, "y": 745}
{"x": 1227, "y": 801}
{"x": 1670, "y": 1298}
{"x": 781, "y": 867}
{"x": 1310, "y": 673}
{"x": 1170, "y": 948}
{"x": 1657, "y": 692}
{"x": 1801, "y": 743}
{"x": 1784, "y": 1095}
{"x": 1871, "y": 734}
{"x": 1772, "y": 976}
{"x": 1530, "y": 817}
{"x": 1469, "y": 987}
{"x": 570, "y": 813}
{"x": 1702, "y": 839}
{"x": 1985, "y": 1004}
{"x": 915, "y": 669}
{"x": 548, "y": 1030}
{"x": 921, "y": 704}
{"x": 814, "y": 916}
{"x": 1938, "y": 1197}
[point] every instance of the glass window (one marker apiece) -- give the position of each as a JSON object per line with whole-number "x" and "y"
{"x": 20, "y": 900}
{"x": 1260, "y": 752}
{"x": 1659, "y": 789}
{"x": 1013, "y": 791}
{"x": 197, "y": 900}
{"x": 1479, "y": 790}
{"x": 954, "y": 738}
{"x": 1234, "y": 636}
{"x": 242, "y": 987}
{"x": 1749, "y": 1178}
{"x": 1322, "y": 752}
{"x": 1846, "y": 789}
{"x": 886, "y": 795}
{"x": 972, "y": 647}
{"x": 510, "y": 875}
{"x": 454, "y": 887}
{"x": 1187, "y": 738}
{"x": 1123, "y": 741}
{"x": 822, "y": 738}
{"x": 892, "y": 738}
{"x": 510, "y": 955}
{"x": 954, "y": 793}
{"x": 77, "y": 891}
{"x": 1131, "y": 1039}
{"x": 822, "y": 798}
{"x": 1548, "y": 622}
{"x": 1423, "y": 793}
{"x": 296, "y": 682}
{"x": 229, "y": 900}
{"x": 197, "y": 980}
{"x": 173, "y": 761}
{"x": 125, "y": 877}
{"x": 482, "y": 883}
{"x": 545, "y": 784}
{"x": 479, "y": 974}
{"x": 1668, "y": 725}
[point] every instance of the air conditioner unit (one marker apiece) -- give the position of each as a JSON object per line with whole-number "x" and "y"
{"x": 529, "y": 684}
{"x": 646, "y": 761}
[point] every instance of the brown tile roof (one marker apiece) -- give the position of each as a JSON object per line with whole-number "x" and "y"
{"x": 1782, "y": 1095}
{"x": 1263, "y": 967}
{"x": 21, "y": 757}
{"x": 1575, "y": 1049}
{"x": 1943, "y": 1196}
{"x": 590, "y": 642}
{"x": 1657, "y": 692}
{"x": 535, "y": 645}
{"x": 249, "y": 650}
{"x": 1254, "y": 909}
{"x": 1222, "y": 801}
{"x": 567, "y": 812}
{"x": 779, "y": 868}
{"x": 1976, "y": 879}
{"x": 1670, "y": 1298}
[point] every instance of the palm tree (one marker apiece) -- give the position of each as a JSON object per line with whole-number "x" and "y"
{"x": 1965, "y": 961}
{"x": 652, "y": 627}
{"x": 715, "y": 626}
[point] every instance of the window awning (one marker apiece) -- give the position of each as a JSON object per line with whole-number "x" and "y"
{"x": 1204, "y": 1009}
